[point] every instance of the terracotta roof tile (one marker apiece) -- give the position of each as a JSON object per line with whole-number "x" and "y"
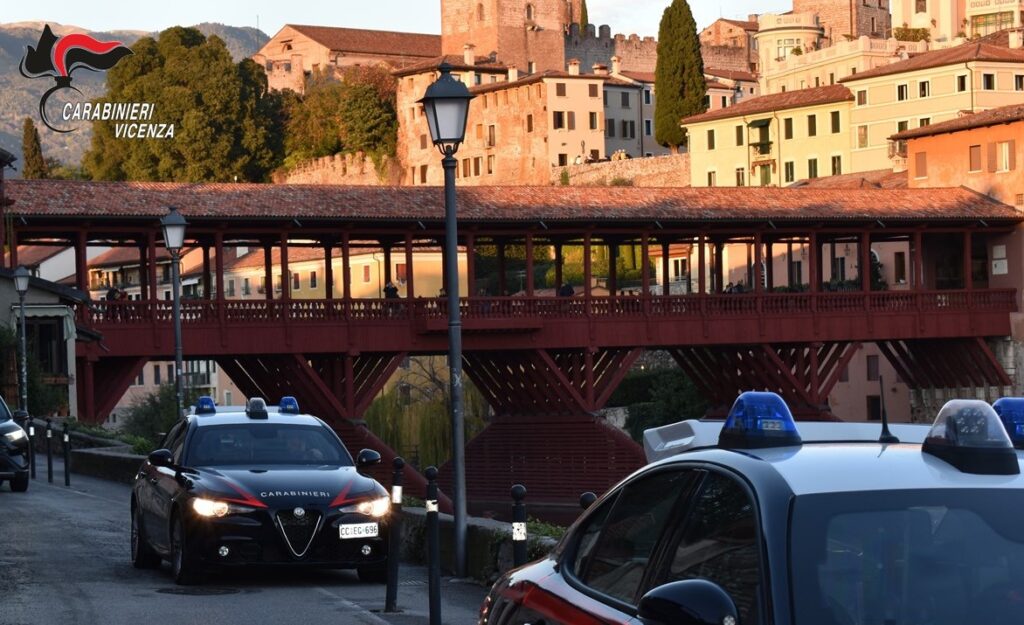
{"x": 776, "y": 102}
{"x": 965, "y": 53}
{"x": 458, "y": 63}
{"x": 539, "y": 76}
{"x": 730, "y": 74}
{"x": 876, "y": 179}
{"x": 991, "y": 117}
{"x": 640, "y": 76}
{"x": 744, "y": 24}
{"x": 372, "y": 41}
{"x": 240, "y": 204}
{"x": 33, "y": 255}
{"x": 118, "y": 256}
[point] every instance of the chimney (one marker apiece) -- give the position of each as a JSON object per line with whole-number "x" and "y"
{"x": 600, "y": 70}
{"x": 468, "y": 54}
{"x": 1016, "y": 39}
{"x": 513, "y": 73}
{"x": 574, "y": 67}
{"x": 616, "y": 65}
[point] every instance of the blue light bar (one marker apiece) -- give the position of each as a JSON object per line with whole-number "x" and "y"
{"x": 1011, "y": 412}
{"x": 969, "y": 435}
{"x": 206, "y": 405}
{"x": 256, "y": 408}
{"x": 759, "y": 420}
{"x": 288, "y": 405}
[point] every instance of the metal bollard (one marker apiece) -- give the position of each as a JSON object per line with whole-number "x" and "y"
{"x": 433, "y": 548}
{"x": 49, "y": 451}
{"x": 395, "y": 539}
{"x": 32, "y": 447}
{"x": 518, "y": 525}
{"x": 67, "y": 456}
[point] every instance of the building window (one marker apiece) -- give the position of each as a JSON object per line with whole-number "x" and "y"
{"x": 465, "y": 168}
{"x": 231, "y": 288}
{"x": 862, "y": 97}
{"x": 835, "y": 122}
{"x": 790, "y": 171}
{"x": 605, "y": 97}
{"x": 741, "y": 177}
{"x": 141, "y": 379}
{"x": 560, "y": 89}
{"x": 711, "y": 139}
{"x": 961, "y": 83}
{"x": 647, "y": 95}
{"x": 490, "y": 163}
{"x": 901, "y": 92}
{"x": 647, "y": 127}
{"x": 787, "y": 128}
{"x": 559, "y": 121}
{"x": 1004, "y": 161}
{"x": 529, "y": 123}
{"x": 1018, "y": 82}
{"x": 593, "y": 91}
{"x": 630, "y": 127}
{"x": 988, "y": 82}
{"x": 423, "y": 142}
{"x": 812, "y": 168}
{"x": 924, "y": 121}
{"x": 625, "y": 99}
{"x": 572, "y": 120}
{"x": 491, "y": 138}
{"x": 920, "y": 6}
{"x": 725, "y": 102}
{"x": 296, "y": 281}
{"x": 423, "y": 174}
{"x": 707, "y": 102}
{"x": 921, "y": 165}
{"x": 477, "y": 165}
{"x": 872, "y": 368}
{"x": 739, "y": 135}
{"x": 593, "y": 120}
{"x": 796, "y": 272}
{"x": 924, "y": 89}
{"x": 595, "y": 155}
{"x": 711, "y": 178}
{"x": 610, "y": 127}
{"x": 839, "y": 268}
{"x": 312, "y": 280}
{"x": 366, "y": 273}
{"x": 156, "y": 375}
{"x": 563, "y": 160}
{"x": 480, "y": 12}
{"x": 862, "y": 136}
{"x": 837, "y": 165}
{"x": 246, "y": 288}
{"x": 831, "y": 78}
{"x": 975, "y": 158}
{"x": 529, "y": 12}
{"x": 900, "y": 267}
{"x": 531, "y": 67}
{"x": 812, "y": 125}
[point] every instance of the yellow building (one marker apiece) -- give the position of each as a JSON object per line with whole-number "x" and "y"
{"x": 772, "y": 140}
{"x": 926, "y": 89}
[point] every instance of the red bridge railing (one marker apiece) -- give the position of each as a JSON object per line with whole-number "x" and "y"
{"x": 203, "y": 312}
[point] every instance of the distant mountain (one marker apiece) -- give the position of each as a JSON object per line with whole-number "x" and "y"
{"x": 19, "y": 96}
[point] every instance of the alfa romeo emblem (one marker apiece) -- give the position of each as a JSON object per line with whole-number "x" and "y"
{"x": 299, "y": 513}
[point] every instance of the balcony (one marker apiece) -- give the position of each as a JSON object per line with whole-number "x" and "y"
{"x": 761, "y": 150}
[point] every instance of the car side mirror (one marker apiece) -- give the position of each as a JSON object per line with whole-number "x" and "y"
{"x": 587, "y": 499}
{"x": 161, "y": 458}
{"x": 21, "y": 418}
{"x": 688, "y": 602}
{"x": 367, "y": 458}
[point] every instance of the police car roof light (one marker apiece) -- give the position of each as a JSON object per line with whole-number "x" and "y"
{"x": 288, "y": 405}
{"x": 256, "y": 408}
{"x": 1011, "y": 411}
{"x": 759, "y": 420}
{"x": 206, "y": 405}
{"x": 969, "y": 435}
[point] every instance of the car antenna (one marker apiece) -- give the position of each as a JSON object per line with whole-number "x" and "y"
{"x": 887, "y": 437}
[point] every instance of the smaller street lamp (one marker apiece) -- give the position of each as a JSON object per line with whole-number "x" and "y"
{"x": 21, "y": 280}
{"x": 173, "y": 225}
{"x": 446, "y": 104}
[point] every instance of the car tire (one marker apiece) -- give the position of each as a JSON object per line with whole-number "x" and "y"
{"x": 143, "y": 556}
{"x": 19, "y": 483}
{"x": 376, "y": 574}
{"x": 184, "y": 568}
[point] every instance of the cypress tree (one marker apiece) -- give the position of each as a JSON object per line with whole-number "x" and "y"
{"x": 34, "y": 167}
{"x": 679, "y": 76}
{"x": 584, "y": 17}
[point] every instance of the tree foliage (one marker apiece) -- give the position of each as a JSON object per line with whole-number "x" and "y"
{"x": 584, "y": 16}
{"x": 34, "y": 167}
{"x": 152, "y": 415}
{"x": 679, "y": 74}
{"x": 227, "y": 123}
{"x": 673, "y": 398}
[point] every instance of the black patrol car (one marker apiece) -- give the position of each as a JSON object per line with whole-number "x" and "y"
{"x": 259, "y": 487}
{"x": 757, "y": 522}
{"x": 14, "y": 452}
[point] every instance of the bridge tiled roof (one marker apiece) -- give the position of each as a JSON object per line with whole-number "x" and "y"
{"x": 137, "y": 201}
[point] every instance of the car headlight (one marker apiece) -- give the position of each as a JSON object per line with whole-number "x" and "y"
{"x": 371, "y": 507}
{"x": 15, "y": 436}
{"x": 212, "y": 507}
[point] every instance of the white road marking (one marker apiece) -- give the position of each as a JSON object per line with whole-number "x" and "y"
{"x": 370, "y": 617}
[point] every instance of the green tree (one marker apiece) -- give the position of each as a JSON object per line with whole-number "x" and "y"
{"x": 673, "y": 398}
{"x": 584, "y": 16}
{"x": 152, "y": 415}
{"x": 679, "y": 74}
{"x": 227, "y": 124}
{"x": 34, "y": 166}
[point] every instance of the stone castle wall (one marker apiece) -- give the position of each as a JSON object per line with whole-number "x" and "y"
{"x": 597, "y": 45}
{"x": 725, "y": 57}
{"x": 835, "y": 18}
{"x": 347, "y": 169}
{"x": 655, "y": 171}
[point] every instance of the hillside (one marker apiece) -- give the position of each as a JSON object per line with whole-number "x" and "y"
{"x": 19, "y": 96}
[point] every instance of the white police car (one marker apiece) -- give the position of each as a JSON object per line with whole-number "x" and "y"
{"x": 757, "y": 522}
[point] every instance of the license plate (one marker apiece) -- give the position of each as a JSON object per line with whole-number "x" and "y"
{"x": 358, "y": 530}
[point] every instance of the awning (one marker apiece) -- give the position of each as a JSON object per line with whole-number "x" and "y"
{"x": 760, "y": 123}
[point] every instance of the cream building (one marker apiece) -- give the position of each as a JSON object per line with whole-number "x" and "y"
{"x": 772, "y": 140}
{"x": 944, "y": 19}
{"x": 985, "y": 17}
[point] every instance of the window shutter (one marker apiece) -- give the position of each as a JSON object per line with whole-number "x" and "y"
{"x": 1013, "y": 155}
{"x": 993, "y": 154}
{"x": 572, "y": 120}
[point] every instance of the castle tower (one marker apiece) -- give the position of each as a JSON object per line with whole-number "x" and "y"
{"x": 526, "y": 33}
{"x": 841, "y": 18}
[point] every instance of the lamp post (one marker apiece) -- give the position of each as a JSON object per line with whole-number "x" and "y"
{"x": 173, "y": 225}
{"x": 446, "y": 104}
{"x": 21, "y": 279}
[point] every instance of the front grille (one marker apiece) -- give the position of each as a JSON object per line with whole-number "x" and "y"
{"x": 298, "y": 532}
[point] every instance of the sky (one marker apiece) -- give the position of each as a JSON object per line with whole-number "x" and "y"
{"x": 624, "y": 16}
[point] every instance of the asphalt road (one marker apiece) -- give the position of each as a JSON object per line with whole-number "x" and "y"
{"x": 64, "y": 559}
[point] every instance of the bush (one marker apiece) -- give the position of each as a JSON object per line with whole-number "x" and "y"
{"x": 911, "y": 34}
{"x": 621, "y": 182}
{"x": 564, "y": 178}
{"x": 152, "y": 415}
{"x": 672, "y": 398}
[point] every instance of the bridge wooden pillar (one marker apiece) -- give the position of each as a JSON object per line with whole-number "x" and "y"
{"x": 143, "y": 272}
{"x": 758, "y": 257}
{"x": 789, "y": 266}
{"x": 587, "y": 269}
{"x": 917, "y": 261}
{"x": 559, "y": 260}
{"x": 470, "y": 265}
{"x": 613, "y": 257}
{"x": 329, "y": 270}
{"x": 770, "y": 263}
{"x": 218, "y": 259}
{"x": 207, "y": 287}
{"x": 286, "y": 274}
{"x": 529, "y": 264}
{"x": 150, "y": 268}
{"x": 410, "y": 290}
{"x": 268, "y": 271}
{"x": 81, "y": 258}
{"x": 386, "y": 246}
{"x": 665, "y": 247}
{"x": 719, "y": 268}
{"x": 968, "y": 262}
{"x": 502, "y": 291}
{"x": 645, "y": 260}
{"x": 346, "y": 273}
{"x": 864, "y": 246}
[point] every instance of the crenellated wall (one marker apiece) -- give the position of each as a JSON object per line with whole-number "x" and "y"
{"x": 656, "y": 171}
{"x": 348, "y": 169}
{"x": 596, "y": 46}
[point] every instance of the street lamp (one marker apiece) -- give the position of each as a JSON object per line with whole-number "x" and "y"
{"x": 173, "y": 225}
{"x": 446, "y": 104}
{"x": 21, "y": 279}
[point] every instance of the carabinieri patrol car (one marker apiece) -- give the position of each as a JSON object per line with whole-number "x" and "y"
{"x": 260, "y": 487}
{"x": 754, "y": 522}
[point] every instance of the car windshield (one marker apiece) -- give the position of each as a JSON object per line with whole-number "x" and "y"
{"x": 265, "y": 443}
{"x": 935, "y": 557}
